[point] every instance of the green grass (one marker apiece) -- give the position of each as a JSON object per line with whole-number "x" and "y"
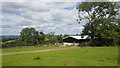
{"x": 0, "y": 60}
{"x": 29, "y": 48}
{"x": 89, "y": 56}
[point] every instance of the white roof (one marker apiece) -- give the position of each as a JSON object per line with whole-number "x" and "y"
{"x": 77, "y": 37}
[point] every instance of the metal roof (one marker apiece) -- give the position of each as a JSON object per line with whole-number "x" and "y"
{"x": 78, "y": 37}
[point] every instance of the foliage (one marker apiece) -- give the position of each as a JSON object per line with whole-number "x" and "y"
{"x": 103, "y": 24}
{"x": 31, "y": 37}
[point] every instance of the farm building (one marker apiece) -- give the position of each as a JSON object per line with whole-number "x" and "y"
{"x": 74, "y": 40}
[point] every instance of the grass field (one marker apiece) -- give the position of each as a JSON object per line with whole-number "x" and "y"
{"x": 87, "y": 56}
{"x": 30, "y": 48}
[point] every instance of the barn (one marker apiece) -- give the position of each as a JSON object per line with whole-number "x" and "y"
{"x": 74, "y": 40}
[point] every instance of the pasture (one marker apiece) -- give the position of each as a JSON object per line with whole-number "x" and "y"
{"x": 86, "y": 56}
{"x": 28, "y": 48}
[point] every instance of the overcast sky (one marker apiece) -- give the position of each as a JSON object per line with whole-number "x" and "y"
{"x": 58, "y": 17}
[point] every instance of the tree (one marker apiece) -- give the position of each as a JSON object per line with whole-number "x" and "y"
{"x": 52, "y": 37}
{"x": 41, "y": 37}
{"x": 30, "y": 36}
{"x": 60, "y": 39}
{"x": 102, "y": 20}
{"x": 65, "y": 35}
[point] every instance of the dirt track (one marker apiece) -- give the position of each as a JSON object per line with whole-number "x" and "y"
{"x": 35, "y": 51}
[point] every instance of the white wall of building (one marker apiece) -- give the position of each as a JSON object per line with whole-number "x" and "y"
{"x": 69, "y": 44}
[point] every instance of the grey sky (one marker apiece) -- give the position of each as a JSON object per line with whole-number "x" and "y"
{"x": 58, "y": 17}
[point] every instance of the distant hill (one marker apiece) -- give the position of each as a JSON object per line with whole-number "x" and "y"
{"x": 10, "y": 36}
{"x": 4, "y": 38}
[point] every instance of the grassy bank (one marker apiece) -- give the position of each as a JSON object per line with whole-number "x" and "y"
{"x": 89, "y": 56}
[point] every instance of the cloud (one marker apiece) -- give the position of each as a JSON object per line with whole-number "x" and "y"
{"x": 44, "y": 16}
{"x": 60, "y": 0}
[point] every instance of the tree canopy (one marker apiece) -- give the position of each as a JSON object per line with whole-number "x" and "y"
{"x": 29, "y": 35}
{"x": 103, "y": 24}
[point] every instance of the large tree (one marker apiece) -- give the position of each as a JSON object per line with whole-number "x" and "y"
{"x": 102, "y": 21}
{"x": 30, "y": 36}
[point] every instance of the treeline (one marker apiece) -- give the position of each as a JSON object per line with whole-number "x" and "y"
{"x": 31, "y": 37}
